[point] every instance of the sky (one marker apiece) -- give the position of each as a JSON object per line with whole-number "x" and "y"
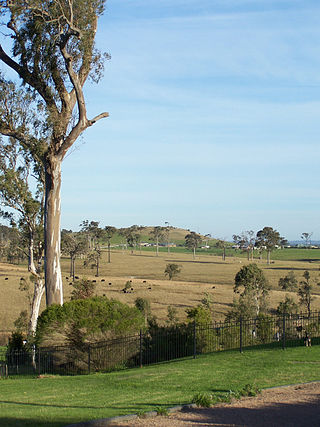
{"x": 214, "y": 119}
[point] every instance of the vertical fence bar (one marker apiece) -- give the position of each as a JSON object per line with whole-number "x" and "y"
{"x": 240, "y": 331}
{"x": 89, "y": 359}
{"x": 39, "y": 360}
{"x": 194, "y": 339}
{"x": 284, "y": 331}
{"x": 140, "y": 349}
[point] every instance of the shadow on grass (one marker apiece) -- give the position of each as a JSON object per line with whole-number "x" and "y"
{"x": 195, "y": 261}
{"x": 19, "y": 422}
{"x": 295, "y": 268}
{"x": 269, "y": 414}
{"x": 47, "y": 405}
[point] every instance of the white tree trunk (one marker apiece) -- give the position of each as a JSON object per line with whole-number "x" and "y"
{"x": 35, "y": 307}
{"x": 53, "y": 278}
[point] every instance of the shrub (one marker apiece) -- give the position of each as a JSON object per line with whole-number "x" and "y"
{"x": 172, "y": 270}
{"x": 83, "y": 289}
{"x": 162, "y": 411}
{"x": 86, "y": 321}
{"x": 203, "y": 400}
{"x": 250, "y": 390}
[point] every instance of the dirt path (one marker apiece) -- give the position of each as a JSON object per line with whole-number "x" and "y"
{"x": 292, "y": 406}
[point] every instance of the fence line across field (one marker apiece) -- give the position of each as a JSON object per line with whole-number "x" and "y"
{"x": 157, "y": 345}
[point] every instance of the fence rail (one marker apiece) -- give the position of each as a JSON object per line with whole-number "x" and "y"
{"x": 163, "y": 344}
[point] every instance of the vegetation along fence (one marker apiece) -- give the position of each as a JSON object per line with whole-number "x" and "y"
{"x": 160, "y": 344}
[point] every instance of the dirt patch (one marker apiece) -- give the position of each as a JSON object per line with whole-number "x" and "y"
{"x": 291, "y": 406}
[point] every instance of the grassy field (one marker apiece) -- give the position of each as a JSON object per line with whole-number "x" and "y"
{"x": 207, "y": 273}
{"x": 57, "y": 401}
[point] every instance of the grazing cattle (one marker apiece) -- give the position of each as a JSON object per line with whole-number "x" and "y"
{"x": 102, "y": 280}
{"x": 110, "y": 283}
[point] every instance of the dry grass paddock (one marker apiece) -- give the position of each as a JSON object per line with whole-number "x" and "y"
{"x": 207, "y": 273}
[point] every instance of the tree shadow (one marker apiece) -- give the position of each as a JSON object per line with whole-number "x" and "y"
{"x": 269, "y": 415}
{"x": 294, "y": 268}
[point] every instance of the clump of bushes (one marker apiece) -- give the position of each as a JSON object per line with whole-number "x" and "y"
{"x": 206, "y": 400}
{"x": 87, "y": 321}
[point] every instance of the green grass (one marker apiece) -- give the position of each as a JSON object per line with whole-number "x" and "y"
{"x": 57, "y": 401}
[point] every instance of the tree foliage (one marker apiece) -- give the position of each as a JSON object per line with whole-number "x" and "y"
{"x": 289, "y": 282}
{"x": 83, "y": 289}
{"x": 269, "y": 239}
{"x": 87, "y": 321}
{"x": 253, "y": 283}
{"x": 172, "y": 270}
{"x": 305, "y": 292}
{"x": 50, "y": 48}
{"x": 193, "y": 240}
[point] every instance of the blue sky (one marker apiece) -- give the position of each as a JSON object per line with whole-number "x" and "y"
{"x": 214, "y": 119}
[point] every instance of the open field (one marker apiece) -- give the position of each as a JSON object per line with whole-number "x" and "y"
{"x": 58, "y": 401}
{"x": 207, "y": 273}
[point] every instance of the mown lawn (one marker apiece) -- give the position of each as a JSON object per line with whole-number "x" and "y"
{"x": 58, "y": 401}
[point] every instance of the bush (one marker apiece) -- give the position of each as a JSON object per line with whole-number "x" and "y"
{"x": 87, "y": 321}
{"x": 250, "y": 390}
{"x": 83, "y": 289}
{"x": 203, "y": 400}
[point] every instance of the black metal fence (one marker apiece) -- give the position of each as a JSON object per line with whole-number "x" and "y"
{"x": 162, "y": 344}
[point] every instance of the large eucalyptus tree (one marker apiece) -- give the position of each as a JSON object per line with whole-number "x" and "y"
{"x": 49, "y": 47}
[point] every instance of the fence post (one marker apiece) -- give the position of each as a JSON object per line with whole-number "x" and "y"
{"x": 140, "y": 346}
{"x": 284, "y": 331}
{"x": 89, "y": 359}
{"x": 39, "y": 359}
{"x": 194, "y": 339}
{"x": 240, "y": 334}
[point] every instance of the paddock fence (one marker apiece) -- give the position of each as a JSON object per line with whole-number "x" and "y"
{"x": 162, "y": 344}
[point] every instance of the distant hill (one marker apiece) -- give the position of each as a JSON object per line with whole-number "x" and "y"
{"x": 176, "y": 235}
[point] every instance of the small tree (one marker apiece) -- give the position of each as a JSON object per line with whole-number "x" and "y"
{"x": 158, "y": 234}
{"x": 246, "y": 241}
{"x": 143, "y": 305}
{"x": 288, "y": 306}
{"x": 254, "y": 284}
{"x": 221, "y": 244}
{"x": 172, "y": 270}
{"x": 172, "y": 317}
{"x": 16, "y": 172}
{"x": 307, "y": 238}
{"x": 73, "y": 246}
{"x": 269, "y": 239}
{"x": 305, "y": 292}
{"x": 83, "y": 289}
{"x": 192, "y": 242}
{"x": 109, "y": 232}
{"x": 93, "y": 260}
{"x": 289, "y": 282}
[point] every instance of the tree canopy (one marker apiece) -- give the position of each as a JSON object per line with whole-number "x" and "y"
{"x": 50, "y": 47}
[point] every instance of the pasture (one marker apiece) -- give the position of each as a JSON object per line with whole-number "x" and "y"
{"x": 207, "y": 273}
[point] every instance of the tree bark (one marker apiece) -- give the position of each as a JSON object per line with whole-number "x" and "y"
{"x": 109, "y": 256}
{"x": 35, "y": 307}
{"x": 53, "y": 278}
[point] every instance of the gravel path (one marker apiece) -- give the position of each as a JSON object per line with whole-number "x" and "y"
{"x": 292, "y": 406}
